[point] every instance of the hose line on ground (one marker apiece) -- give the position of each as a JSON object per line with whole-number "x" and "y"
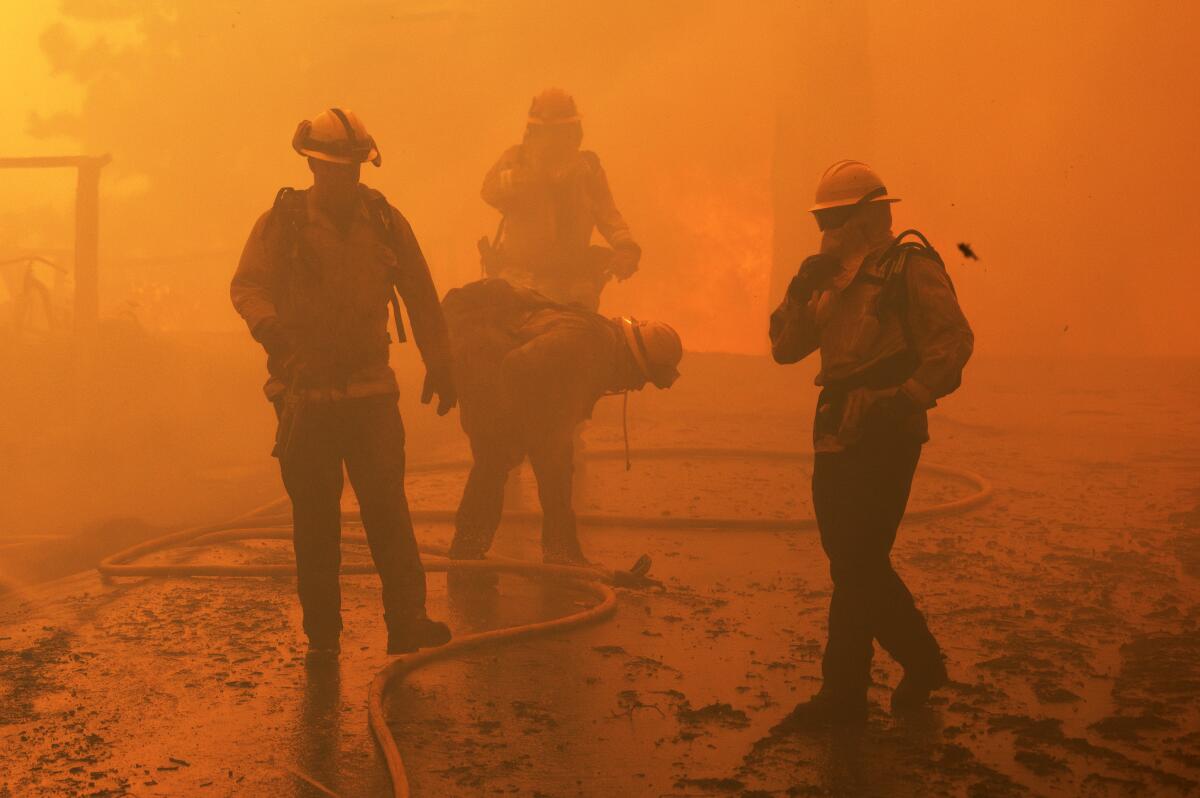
{"x": 270, "y": 522}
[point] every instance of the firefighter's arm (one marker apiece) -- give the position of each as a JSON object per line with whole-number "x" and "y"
{"x": 793, "y": 328}
{"x": 610, "y": 222}
{"x": 251, "y": 292}
{"x": 506, "y": 181}
{"x": 415, "y": 284}
{"x": 940, "y": 334}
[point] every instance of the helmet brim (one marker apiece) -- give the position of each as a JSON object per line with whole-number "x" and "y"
{"x": 823, "y": 206}
{"x": 664, "y": 378}
{"x": 372, "y": 157}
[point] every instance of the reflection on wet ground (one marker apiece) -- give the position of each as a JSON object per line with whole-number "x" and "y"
{"x": 318, "y": 730}
{"x": 1068, "y": 608}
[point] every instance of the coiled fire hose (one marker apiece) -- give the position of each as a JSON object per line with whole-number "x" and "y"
{"x": 271, "y": 521}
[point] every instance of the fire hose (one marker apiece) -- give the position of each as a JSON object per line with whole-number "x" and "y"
{"x": 270, "y": 521}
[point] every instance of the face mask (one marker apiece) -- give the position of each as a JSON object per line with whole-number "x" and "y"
{"x": 849, "y": 243}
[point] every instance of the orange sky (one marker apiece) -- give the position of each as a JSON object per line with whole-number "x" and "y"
{"x": 1058, "y": 139}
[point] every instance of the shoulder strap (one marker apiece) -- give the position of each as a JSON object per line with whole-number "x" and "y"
{"x": 287, "y": 218}
{"x": 288, "y": 214}
{"x": 892, "y": 264}
{"x": 381, "y": 213}
{"x": 895, "y": 257}
{"x": 897, "y": 253}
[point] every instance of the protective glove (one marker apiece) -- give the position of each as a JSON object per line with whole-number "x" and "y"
{"x": 869, "y": 412}
{"x": 439, "y": 380}
{"x": 274, "y": 338}
{"x": 624, "y": 261}
{"x": 815, "y": 270}
{"x": 890, "y": 410}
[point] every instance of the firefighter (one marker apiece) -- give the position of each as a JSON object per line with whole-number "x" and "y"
{"x": 892, "y": 339}
{"x": 530, "y": 371}
{"x": 552, "y": 195}
{"x": 314, "y": 285}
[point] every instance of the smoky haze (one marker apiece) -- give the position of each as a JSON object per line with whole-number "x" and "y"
{"x": 1051, "y": 537}
{"x": 1055, "y": 141}
{"x": 1048, "y": 136}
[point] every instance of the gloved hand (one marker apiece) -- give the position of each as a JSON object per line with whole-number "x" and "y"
{"x": 869, "y": 412}
{"x": 890, "y": 410}
{"x": 271, "y": 333}
{"x": 439, "y": 380}
{"x": 815, "y": 270}
{"x": 280, "y": 347}
{"x": 624, "y": 261}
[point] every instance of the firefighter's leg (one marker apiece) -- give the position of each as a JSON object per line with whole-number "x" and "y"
{"x": 551, "y": 459}
{"x": 899, "y": 626}
{"x": 312, "y": 474}
{"x": 482, "y": 502}
{"x": 580, "y": 478}
{"x": 860, "y": 496}
{"x": 840, "y": 499}
{"x": 375, "y": 461}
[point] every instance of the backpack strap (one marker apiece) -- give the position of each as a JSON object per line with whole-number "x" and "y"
{"x": 891, "y": 268}
{"x": 289, "y": 214}
{"x": 381, "y": 213}
{"x": 895, "y": 258}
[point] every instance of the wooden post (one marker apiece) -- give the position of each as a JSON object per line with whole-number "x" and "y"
{"x": 87, "y": 247}
{"x": 87, "y": 229}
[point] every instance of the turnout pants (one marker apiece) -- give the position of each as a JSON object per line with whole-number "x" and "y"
{"x": 859, "y": 496}
{"x": 482, "y": 502}
{"x": 367, "y": 435}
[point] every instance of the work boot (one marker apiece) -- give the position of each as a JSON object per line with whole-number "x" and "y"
{"x": 466, "y": 546}
{"x": 917, "y": 683}
{"x": 565, "y": 554}
{"x": 824, "y": 710}
{"x": 405, "y": 637}
{"x": 566, "y": 558}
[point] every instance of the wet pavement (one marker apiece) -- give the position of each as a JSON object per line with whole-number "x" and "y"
{"x": 1068, "y": 608}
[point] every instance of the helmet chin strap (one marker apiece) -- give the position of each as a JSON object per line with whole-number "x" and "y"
{"x": 633, "y": 340}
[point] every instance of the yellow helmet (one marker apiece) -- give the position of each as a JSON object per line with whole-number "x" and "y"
{"x": 338, "y": 136}
{"x": 850, "y": 183}
{"x": 656, "y": 349}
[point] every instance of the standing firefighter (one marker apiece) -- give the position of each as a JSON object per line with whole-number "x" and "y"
{"x": 552, "y": 195}
{"x": 531, "y": 371}
{"x": 314, "y": 285}
{"x": 893, "y": 340}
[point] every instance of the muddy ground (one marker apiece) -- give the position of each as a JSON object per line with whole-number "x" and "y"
{"x": 1068, "y": 607}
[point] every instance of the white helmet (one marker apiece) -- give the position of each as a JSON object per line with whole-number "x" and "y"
{"x": 850, "y": 183}
{"x": 338, "y": 136}
{"x": 656, "y": 349}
